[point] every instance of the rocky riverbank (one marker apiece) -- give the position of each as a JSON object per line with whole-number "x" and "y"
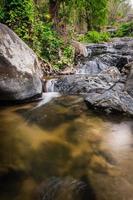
{"x": 104, "y": 77}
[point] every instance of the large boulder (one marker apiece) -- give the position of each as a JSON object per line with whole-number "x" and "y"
{"x": 20, "y": 73}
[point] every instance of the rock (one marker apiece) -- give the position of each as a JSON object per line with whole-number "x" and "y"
{"x": 111, "y": 30}
{"x": 56, "y": 188}
{"x": 129, "y": 82}
{"x": 104, "y": 90}
{"x": 20, "y": 73}
{"x": 111, "y": 100}
{"x": 104, "y": 78}
{"x": 79, "y": 84}
{"x": 116, "y": 53}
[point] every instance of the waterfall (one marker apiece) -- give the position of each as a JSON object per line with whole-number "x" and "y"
{"x": 90, "y": 67}
{"x": 49, "y": 93}
{"x": 47, "y": 97}
{"x": 49, "y": 85}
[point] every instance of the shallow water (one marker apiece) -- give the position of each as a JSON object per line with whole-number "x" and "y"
{"x": 60, "y": 150}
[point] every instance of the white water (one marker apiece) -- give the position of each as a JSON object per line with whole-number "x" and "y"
{"x": 47, "y": 97}
{"x": 88, "y": 68}
{"x": 50, "y": 85}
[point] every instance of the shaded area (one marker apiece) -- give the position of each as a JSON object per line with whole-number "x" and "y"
{"x": 54, "y": 114}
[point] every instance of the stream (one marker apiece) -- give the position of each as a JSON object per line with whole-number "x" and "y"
{"x": 57, "y": 149}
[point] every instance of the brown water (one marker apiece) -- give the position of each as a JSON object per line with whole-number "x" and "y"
{"x": 63, "y": 151}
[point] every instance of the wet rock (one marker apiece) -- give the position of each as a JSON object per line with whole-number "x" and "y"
{"x": 117, "y": 53}
{"x": 56, "y": 188}
{"x": 105, "y": 77}
{"x": 129, "y": 82}
{"x": 106, "y": 90}
{"x": 111, "y": 100}
{"x": 78, "y": 84}
{"x": 20, "y": 74}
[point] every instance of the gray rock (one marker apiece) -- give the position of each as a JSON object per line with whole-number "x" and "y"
{"x": 80, "y": 84}
{"x": 20, "y": 73}
{"x": 117, "y": 53}
{"x": 129, "y": 82}
{"x": 104, "y": 90}
{"x": 102, "y": 78}
{"x": 111, "y": 100}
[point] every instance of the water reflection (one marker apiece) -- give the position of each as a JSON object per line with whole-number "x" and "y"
{"x": 62, "y": 151}
{"x": 121, "y": 137}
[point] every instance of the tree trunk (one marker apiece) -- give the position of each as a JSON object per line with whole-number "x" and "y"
{"x": 54, "y": 6}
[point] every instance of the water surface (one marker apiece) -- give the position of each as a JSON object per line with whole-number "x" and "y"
{"x": 61, "y": 150}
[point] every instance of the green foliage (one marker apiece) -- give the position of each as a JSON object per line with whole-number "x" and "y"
{"x": 46, "y": 41}
{"x": 118, "y": 9}
{"x": 35, "y": 28}
{"x": 125, "y": 29}
{"x": 95, "y": 37}
{"x": 49, "y": 34}
{"x": 50, "y": 47}
{"x": 92, "y": 13}
{"x": 20, "y": 16}
{"x": 1, "y": 14}
{"x": 66, "y": 57}
{"x": 96, "y": 13}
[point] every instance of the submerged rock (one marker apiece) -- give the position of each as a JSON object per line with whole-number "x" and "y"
{"x": 20, "y": 73}
{"x": 56, "y": 188}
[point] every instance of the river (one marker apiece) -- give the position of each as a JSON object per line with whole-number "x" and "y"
{"x": 58, "y": 149}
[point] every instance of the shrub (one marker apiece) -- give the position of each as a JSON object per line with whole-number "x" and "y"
{"x": 66, "y": 57}
{"x": 95, "y": 37}
{"x": 46, "y": 41}
{"x": 22, "y": 16}
{"x": 50, "y": 47}
{"x": 125, "y": 29}
{"x": 1, "y": 14}
{"x": 19, "y": 15}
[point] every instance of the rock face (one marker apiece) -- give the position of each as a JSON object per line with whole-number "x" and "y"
{"x": 117, "y": 53}
{"x": 20, "y": 74}
{"x": 86, "y": 84}
{"x": 129, "y": 81}
{"x": 105, "y": 77}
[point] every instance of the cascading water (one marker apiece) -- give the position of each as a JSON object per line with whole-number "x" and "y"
{"x": 47, "y": 97}
{"x": 90, "y": 67}
{"x": 49, "y": 93}
{"x": 49, "y": 85}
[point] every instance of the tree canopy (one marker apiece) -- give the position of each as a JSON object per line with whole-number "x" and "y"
{"x": 48, "y": 25}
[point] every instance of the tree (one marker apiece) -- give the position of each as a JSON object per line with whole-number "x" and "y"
{"x": 96, "y": 13}
{"x": 93, "y": 13}
{"x": 20, "y": 16}
{"x": 117, "y": 9}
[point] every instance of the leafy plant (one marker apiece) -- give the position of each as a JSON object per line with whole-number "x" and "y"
{"x": 1, "y": 13}
{"x": 20, "y": 16}
{"x": 66, "y": 58}
{"x": 46, "y": 41}
{"x": 95, "y": 37}
{"x": 125, "y": 29}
